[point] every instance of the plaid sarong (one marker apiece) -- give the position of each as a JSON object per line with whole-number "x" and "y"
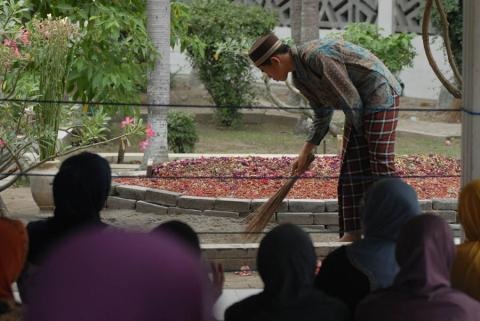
{"x": 365, "y": 156}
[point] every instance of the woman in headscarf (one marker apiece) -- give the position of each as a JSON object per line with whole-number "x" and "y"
{"x": 187, "y": 235}
{"x": 80, "y": 190}
{"x": 466, "y": 267}
{"x": 286, "y": 263}
{"x": 350, "y": 272}
{"x": 13, "y": 251}
{"x": 120, "y": 276}
{"x": 183, "y": 232}
{"x": 421, "y": 290}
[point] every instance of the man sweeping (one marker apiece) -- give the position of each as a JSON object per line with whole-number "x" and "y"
{"x": 335, "y": 74}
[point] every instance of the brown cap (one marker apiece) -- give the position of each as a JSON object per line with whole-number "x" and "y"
{"x": 263, "y": 48}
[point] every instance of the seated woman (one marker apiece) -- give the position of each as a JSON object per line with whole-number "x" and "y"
{"x": 120, "y": 276}
{"x": 466, "y": 267}
{"x": 286, "y": 262}
{"x": 187, "y": 235}
{"x": 421, "y": 290}
{"x": 80, "y": 190}
{"x": 13, "y": 251}
{"x": 350, "y": 272}
{"x": 183, "y": 232}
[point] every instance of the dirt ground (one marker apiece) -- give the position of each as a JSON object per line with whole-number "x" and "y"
{"x": 211, "y": 229}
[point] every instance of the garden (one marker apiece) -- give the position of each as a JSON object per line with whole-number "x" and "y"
{"x": 74, "y": 76}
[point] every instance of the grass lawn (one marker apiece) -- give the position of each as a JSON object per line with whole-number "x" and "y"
{"x": 267, "y": 138}
{"x": 278, "y": 138}
{"x": 420, "y": 144}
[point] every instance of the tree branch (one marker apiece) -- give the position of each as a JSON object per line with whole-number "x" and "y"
{"x": 59, "y": 154}
{"x": 3, "y": 208}
{"x": 448, "y": 44}
{"x": 334, "y": 131}
{"x": 426, "y": 44}
{"x": 282, "y": 105}
{"x": 12, "y": 177}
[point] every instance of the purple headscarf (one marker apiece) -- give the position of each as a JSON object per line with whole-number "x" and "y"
{"x": 114, "y": 275}
{"x": 421, "y": 291}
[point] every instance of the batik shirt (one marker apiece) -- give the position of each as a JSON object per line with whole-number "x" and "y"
{"x": 335, "y": 74}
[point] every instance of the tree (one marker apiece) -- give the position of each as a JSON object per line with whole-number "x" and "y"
{"x": 158, "y": 88}
{"x": 227, "y": 30}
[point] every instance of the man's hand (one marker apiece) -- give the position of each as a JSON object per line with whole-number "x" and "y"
{"x": 301, "y": 163}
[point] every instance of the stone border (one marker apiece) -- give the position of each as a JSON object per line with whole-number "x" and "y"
{"x": 297, "y": 211}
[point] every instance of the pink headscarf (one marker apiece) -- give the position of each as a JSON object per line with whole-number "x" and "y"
{"x": 114, "y": 275}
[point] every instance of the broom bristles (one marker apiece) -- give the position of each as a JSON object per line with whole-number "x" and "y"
{"x": 258, "y": 220}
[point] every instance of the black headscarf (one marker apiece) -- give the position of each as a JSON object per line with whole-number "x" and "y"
{"x": 80, "y": 190}
{"x": 181, "y": 231}
{"x": 286, "y": 263}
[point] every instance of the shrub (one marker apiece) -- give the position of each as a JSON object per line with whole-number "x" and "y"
{"x": 182, "y": 134}
{"x": 396, "y": 51}
{"x": 114, "y": 51}
{"x": 227, "y": 30}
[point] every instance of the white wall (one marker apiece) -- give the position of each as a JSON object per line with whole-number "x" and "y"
{"x": 420, "y": 81}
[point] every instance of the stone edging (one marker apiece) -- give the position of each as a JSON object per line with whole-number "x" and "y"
{"x": 297, "y": 211}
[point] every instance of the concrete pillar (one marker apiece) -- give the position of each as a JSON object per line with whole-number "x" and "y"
{"x": 385, "y": 18}
{"x": 471, "y": 91}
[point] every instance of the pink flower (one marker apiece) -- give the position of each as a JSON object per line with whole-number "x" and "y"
{"x": 13, "y": 46}
{"x": 143, "y": 144}
{"x": 127, "y": 122}
{"x": 25, "y": 37}
{"x": 149, "y": 131}
{"x": 2, "y": 143}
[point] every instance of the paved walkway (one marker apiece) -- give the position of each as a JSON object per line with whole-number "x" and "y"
{"x": 426, "y": 128}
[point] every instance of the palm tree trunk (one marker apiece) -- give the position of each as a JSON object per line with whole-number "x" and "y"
{"x": 158, "y": 89}
{"x": 304, "y": 19}
{"x": 296, "y": 21}
{"x": 310, "y": 20}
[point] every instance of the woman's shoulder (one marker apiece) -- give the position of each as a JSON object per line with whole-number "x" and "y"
{"x": 244, "y": 308}
{"x": 339, "y": 254}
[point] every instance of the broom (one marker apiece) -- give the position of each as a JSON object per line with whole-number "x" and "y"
{"x": 257, "y": 220}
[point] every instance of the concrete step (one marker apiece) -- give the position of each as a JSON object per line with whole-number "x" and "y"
{"x": 235, "y": 255}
